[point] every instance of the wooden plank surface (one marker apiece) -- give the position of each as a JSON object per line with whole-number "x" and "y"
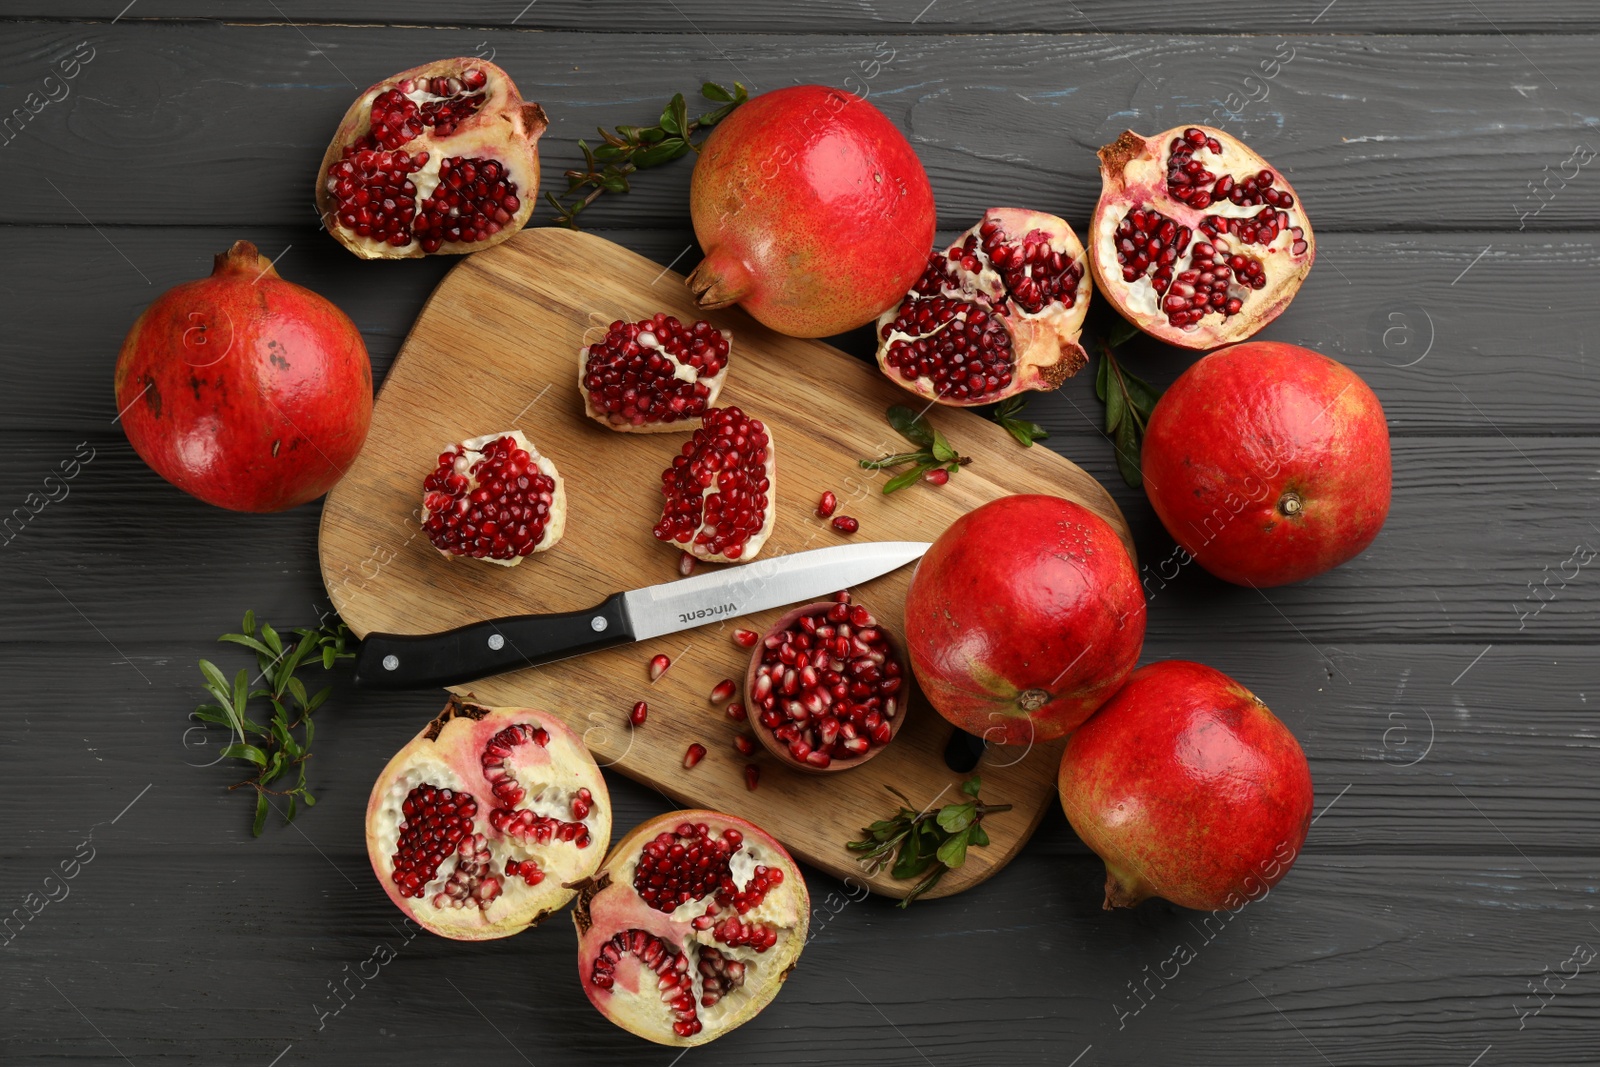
{"x": 1451, "y": 727}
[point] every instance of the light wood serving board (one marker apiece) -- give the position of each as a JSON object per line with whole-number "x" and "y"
{"x": 496, "y": 348}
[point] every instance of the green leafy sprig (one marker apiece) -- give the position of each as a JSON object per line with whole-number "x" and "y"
{"x": 283, "y": 745}
{"x": 1008, "y": 413}
{"x": 635, "y": 148}
{"x": 929, "y": 843}
{"x": 933, "y": 451}
{"x": 1129, "y": 402}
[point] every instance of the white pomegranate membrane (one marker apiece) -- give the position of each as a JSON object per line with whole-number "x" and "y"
{"x": 653, "y": 376}
{"x": 474, "y": 827}
{"x": 997, "y": 312}
{"x": 720, "y": 489}
{"x": 828, "y": 685}
{"x": 494, "y": 498}
{"x": 691, "y": 927}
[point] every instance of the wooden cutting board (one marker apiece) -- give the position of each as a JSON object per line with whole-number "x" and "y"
{"x": 495, "y": 348}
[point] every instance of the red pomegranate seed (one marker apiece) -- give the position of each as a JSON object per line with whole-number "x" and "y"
{"x": 686, "y": 564}
{"x": 658, "y": 666}
{"x": 640, "y": 712}
{"x": 746, "y": 638}
{"x": 723, "y": 691}
{"x": 694, "y": 755}
{"x": 752, "y": 776}
{"x": 736, "y": 711}
{"x": 846, "y": 524}
{"x": 826, "y": 505}
{"x": 745, "y": 745}
{"x": 936, "y": 476}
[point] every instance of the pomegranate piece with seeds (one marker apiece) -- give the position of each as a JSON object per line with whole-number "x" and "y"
{"x": 439, "y": 158}
{"x": 827, "y": 686}
{"x": 1196, "y": 240}
{"x": 475, "y": 825}
{"x": 494, "y": 498}
{"x": 996, "y": 313}
{"x": 654, "y": 375}
{"x": 721, "y": 489}
{"x": 691, "y": 927}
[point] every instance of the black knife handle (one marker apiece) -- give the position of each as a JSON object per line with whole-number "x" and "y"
{"x": 400, "y": 661}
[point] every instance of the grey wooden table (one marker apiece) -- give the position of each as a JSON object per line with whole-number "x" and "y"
{"x": 1444, "y": 910}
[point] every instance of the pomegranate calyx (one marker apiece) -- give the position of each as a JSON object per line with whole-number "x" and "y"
{"x": 718, "y": 281}
{"x": 243, "y": 258}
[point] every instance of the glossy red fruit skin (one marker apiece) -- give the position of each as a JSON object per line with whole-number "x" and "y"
{"x": 813, "y": 210}
{"x": 1188, "y": 788}
{"x": 1268, "y": 463}
{"x": 247, "y": 391}
{"x": 1024, "y": 617}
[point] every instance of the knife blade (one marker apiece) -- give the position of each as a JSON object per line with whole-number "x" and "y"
{"x": 408, "y": 661}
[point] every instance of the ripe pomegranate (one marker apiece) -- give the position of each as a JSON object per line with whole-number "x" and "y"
{"x": 813, "y": 210}
{"x": 494, "y": 498}
{"x": 477, "y": 826}
{"x": 243, "y": 389}
{"x": 1268, "y": 463}
{"x": 1188, "y": 788}
{"x": 827, "y": 686}
{"x": 721, "y": 489}
{"x": 691, "y": 927}
{"x": 652, "y": 375}
{"x": 1196, "y": 240}
{"x": 1024, "y": 617}
{"x": 439, "y": 158}
{"x": 996, "y": 313}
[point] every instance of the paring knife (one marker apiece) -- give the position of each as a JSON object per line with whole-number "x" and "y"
{"x": 398, "y": 661}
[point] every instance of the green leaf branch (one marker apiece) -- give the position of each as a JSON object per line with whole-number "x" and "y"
{"x": 925, "y": 844}
{"x": 1129, "y": 402}
{"x": 933, "y": 451}
{"x": 636, "y": 148}
{"x": 282, "y": 746}
{"x": 1008, "y": 413}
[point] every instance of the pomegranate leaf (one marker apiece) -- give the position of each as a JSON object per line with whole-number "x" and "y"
{"x": 1008, "y": 413}
{"x": 1121, "y": 334}
{"x": 953, "y": 853}
{"x": 972, "y": 785}
{"x": 1129, "y": 403}
{"x": 935, "y": 452}
{"x": 910, "y": 425}
{"x": 928, "y": 842}
{"x": 904, "y": 478}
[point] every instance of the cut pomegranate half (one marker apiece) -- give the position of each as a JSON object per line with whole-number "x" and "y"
{"x": 721, "y": 489}
{"x": 439, "y": 158}
{"x": 996, "y": 313}
{"x": 1196, "y": 240}
{"x": 827, "y": 686}
{"x": 477, "y": 825}
{"x": 691, "y": 927}
{"x": 494, "y": 498}
{"x": 654, "y": 375}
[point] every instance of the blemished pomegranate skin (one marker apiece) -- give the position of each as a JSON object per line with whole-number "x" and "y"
{"x": 1269, "y": 463}
{"x": 1188, "y": 788}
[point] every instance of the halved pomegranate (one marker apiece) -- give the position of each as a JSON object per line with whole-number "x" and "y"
{"x": 477, "y": 826}
{"x": 996, "y": 313}
{"x": 439, "y": 158}
{"x": 653, "y": 375}
{"x": 827, "y": 686}
{"x": 1196, "y": 240}
{"x": 721, "y": 489}
{"x": 494, "y": 498}
{"x": 691, "y": 927}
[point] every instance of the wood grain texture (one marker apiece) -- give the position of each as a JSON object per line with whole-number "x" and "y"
{"x": 497, "y": 348}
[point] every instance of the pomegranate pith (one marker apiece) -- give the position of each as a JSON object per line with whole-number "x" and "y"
{"x": 690, "y": 927}
{"x": 997, "y": 312}
{"x": 653, "y": 376}
{"x": 1188, "y": 788}
{"x": 494, "y": 498}
{"x": 720, "y": 489}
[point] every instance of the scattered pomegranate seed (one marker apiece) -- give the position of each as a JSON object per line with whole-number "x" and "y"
{"x": 694, "y": 755}
{"x": 746, "y": 638}
{"x": 826, "y": 505}
{"x": 686, "y": 564}
{"x": 658, "y": 666}
{"x": 723, "y": 691}
{"x": 745, "y": 745}
{"x": 736, "y": 712}
{"x": 752, "y": 776}
{"x": 846, "y": 524}
{"x": 640, "y": 712}
{"x": 936, "y": 476}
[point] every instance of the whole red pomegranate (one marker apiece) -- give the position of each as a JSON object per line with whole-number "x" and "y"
{"x": 1268, "y": 463}
{"x": 479, "y": 826}
{"x": 1188, "y": 788}
{"x": 1024, "y": 617}
{"x": 245, "y": 390}
{"x": 813, "y": 210}
{"x": 1196, "y": 240}
{"x": 691, "y": 927}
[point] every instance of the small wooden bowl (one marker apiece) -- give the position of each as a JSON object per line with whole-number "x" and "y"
{"x": 780, "y": 750}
